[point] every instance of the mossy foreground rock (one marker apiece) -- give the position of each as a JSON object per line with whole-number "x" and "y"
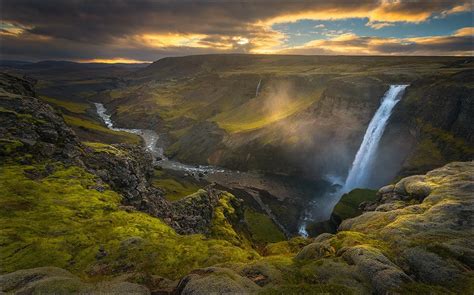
{"x": 53, "y": 280}
{"x": 415, "y": 237}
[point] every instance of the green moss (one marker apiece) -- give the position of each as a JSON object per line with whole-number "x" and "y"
{"x": 221, "y": 222}
{"x": 174, "y": 188}
{"x": 8, "y": 146}
{"x": 75, "y": 107}
{"x": 290, "y": 247}
{"x": 94, "y": 127}
{"x": 263, "y": 230}
{"x": 352, "y": 238}
{"x": 61, "y": 220}
{"x": 23, "y": 117}
{"x": 424, "y": 289}
{"x": 348, "y": 206}
{"x": 105, "y": 148}
{"x": 305, "y": 288}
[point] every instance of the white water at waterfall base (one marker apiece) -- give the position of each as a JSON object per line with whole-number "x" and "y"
{"x": 361, "y": 169}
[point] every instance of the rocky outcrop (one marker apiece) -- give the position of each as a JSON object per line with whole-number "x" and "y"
{"x": 30, "y": 127}
{"x": 128, "y": 169}
{"x": 31, "y": 130}
{"x": 427, "y": 221}
{"x": 415, "y": 237}
{"x": 215, "y": 280}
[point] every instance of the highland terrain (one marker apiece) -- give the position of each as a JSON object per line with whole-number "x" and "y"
{"x": 248, "y": 143}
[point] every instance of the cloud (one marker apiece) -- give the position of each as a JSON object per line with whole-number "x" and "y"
{"x": 378, "y": 25}
{"x": 151, "y": 29}
{"x": 460, "y": 43}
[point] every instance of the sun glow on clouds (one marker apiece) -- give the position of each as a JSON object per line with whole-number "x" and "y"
{"x": 170, "y": 40}
{"x": 152, "y": 31}
{"x": 262, "y": 38}
{"x": 11, "y": 29}
{"x": 113, "y": 61}
{"x": 351, "y": 44}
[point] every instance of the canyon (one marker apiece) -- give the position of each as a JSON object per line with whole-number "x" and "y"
{"x": 170, "y": 175}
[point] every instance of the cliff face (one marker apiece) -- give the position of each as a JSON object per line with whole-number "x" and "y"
{"x": 430, "y": 127}
{"x": 33, "y": 132}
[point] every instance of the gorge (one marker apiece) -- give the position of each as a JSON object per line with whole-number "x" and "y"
{"x": 181, "y": 176}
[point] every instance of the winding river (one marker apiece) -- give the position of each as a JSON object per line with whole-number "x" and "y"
{"x": 150, "y": 139}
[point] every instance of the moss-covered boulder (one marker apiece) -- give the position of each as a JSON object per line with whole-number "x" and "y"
{"x": 217, "y": 281}
{"x": 54, "y": 280}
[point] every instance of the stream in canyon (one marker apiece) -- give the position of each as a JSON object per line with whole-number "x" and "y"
{"x": 283, "y": 191}
{"x": 282, "y": 198}
{"x": 150, "y": 139}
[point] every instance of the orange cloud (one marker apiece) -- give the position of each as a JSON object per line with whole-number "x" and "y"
{"x": 460, "y": 43}
{"x": 113, "y": 61}
{"x": 467, "y": 31}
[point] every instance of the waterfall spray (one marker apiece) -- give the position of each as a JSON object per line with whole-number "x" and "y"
{"x": 361, "y": 168}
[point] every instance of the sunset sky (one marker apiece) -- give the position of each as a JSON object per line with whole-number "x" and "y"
{"x": 137, "y": 31}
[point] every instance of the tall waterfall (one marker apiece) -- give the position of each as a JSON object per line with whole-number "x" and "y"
{"x": 363, "y": 161}
{"x": 361, "y": 167}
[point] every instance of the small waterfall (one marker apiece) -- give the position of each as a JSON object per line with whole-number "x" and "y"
{"x": 361, "y": 167}
{"x": 258, "y": 87}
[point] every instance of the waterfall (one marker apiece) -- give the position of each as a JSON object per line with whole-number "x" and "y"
{"x": 361, "y": 167}
{"x": 258, "y": 87}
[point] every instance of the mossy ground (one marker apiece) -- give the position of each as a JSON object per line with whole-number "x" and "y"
{"x": 75, "y": 107}
{"x": 77, "y": 116}
{"x": 96, "y": 130}
{"x": 262, "y": 228}
{"x": 174, "y": 187}
{"x": 63, "y": 220}
{"x": 348, "y": 206}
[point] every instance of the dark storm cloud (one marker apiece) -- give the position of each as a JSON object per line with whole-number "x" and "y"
{"x": 76, "y": 29}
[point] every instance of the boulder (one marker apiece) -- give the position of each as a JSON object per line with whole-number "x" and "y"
{"x": 382, "y": 273}
{"x": 54, "y": 280}
{"x": 316, "y": 251}
{"x": 429, "y": 268}
{"x": 215, "y": 280}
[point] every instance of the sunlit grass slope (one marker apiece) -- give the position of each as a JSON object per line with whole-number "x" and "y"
{"x": 76, "y": 116}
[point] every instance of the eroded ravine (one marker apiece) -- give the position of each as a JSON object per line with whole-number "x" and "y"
{"x": 283, "y": 191}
